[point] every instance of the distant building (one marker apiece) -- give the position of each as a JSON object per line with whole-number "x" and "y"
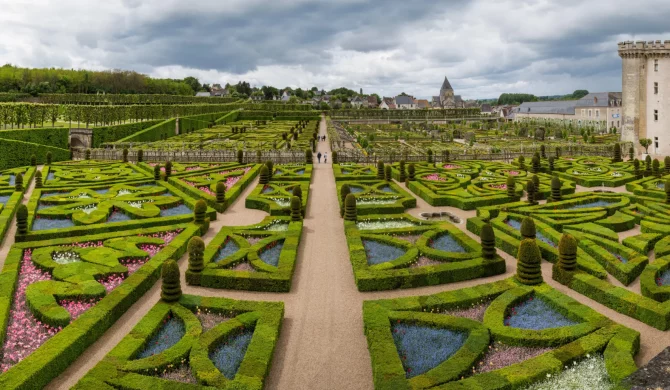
{"x": 285, "y": 96}
{"x": 357, "y": 102}
{"x": 447, "y": 98}
{"x": 486, "y": 109}
{"x": 203, "y": 94}
{"x": 387, "y": 104}
{"x": 405, "y": 102}
{"x": 422, "y": 104}
{"x": 372, "y": 101}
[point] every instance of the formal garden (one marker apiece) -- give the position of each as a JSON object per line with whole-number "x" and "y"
{"x": 546, "y": 270}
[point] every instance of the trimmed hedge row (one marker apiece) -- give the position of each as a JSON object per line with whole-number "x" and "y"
{"x": 114, "y": 133}
{"x": 58, "y": 137}
{"x": 259, "y": 201}
{"x": 57, "y": 353}
{"x": 15, "y": 153}
{"x": 119, "y": 370}
{"x": 373, "y": 190}
{"x": 162, "y": 130}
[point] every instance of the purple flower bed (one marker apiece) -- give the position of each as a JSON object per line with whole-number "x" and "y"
{"x": 475, "y": 312}
{"x": 228, "y": 248}
{"x": 535, "y": 314}
{"x": 513, "y": 223}
{"x": 378, "y": 252}
{"x": 228, "y": 356}
{"x": 422, "y": 348}
{"x": 500, "y": 355}
{"x": 270, "y": 254}
{"x": 168, "y": 335}
{"x": 446, "y": 243}
{"x": 177, "y": 210}
{"x": 600, "y": 203}
{"x": 664, "y": 278}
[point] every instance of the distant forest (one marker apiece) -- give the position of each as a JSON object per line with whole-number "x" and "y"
{"x": 518, "y": 98}
{"x": 52, "y": 80}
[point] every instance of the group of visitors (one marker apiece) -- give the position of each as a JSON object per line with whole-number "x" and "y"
{"x": 325, "y": 157}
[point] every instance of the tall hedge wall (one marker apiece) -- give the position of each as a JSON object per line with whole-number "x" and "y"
{"x": 58, "y": 137}
{"x": 283, "y": 115}
{"x": 17, "y": 153}
{"x": 157, "y": 132}
{"x": 115, "y": 133}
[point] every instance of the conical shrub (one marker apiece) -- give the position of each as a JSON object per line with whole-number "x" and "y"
{"x": 536, "y": 181}
{"x": 656, "y": 168}
{"x": 240, "y": 156}
{"x": 168, "y": 170}
{"x": 530, "y": 191}
{"x": 556, "y": 189}
{"x": 350, "y": 208}
{"x": 535, "y": 167}
{"x": 18, "y": 182}
{"x": 171, "y": 286}
{"x": 271, "y": 168}
{"x": 567, "y": 252}
{"x": 49, "y": 157}
{"x": 667, "y": 191}
{"x": 543, "y": 151}
{"x": 529, "y": 263}
{"x": 157, "y": 172}
{"x": 522, "y": 163}
{"x": 551, "y": 163}
{"x": 666, "y": 165}
{"x": 401, "y": 168}
{"x": 125, "y": 155}
{"x": 334, "y": 157}
{"x": 380, "y": 170}
{"x": 196, "y": 251}
{"x": 38, "y": 179}
{"x": 528, "y": 228}
{"x": 344, "y": 191}
{"x": 308, "y": 156}
{"x": 220, "y": 192}
{"x": 296, "y": 209}
{"x": 265, "y": 175}
{"x": 511, "y": 187}
{"x": 636, "y": 169}
{"x": 22, "y": 219}
{"x": 411, "y": 172}
{"x": 200, "y": 212}
{"x": 140, "y": 155}
{"x": 617, "y": 153}
{"x": 488, "y": 240}
{"x": 33, "y": 160}
{"x": 297, "y": 191}
{"x": 388, "y": 173}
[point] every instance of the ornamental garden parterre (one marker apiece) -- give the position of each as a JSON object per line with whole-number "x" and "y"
{"x": 93, "y": 237}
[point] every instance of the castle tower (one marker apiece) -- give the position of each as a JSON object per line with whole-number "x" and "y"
{"x": 447, "y": 95}
{"x": 646, "y": 97}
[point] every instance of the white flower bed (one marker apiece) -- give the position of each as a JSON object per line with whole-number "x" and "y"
{"x": 385, "y": 224}
{"x": 590, "y": 374}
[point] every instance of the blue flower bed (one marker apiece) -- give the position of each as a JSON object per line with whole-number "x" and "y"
{"x": 268, "y": 190}
{"x": 4, "y": 199}
{"x": 51, "y": 176}
{"x": 118, "y": 216}
{"x": 48, "y": 224}
{"x": 387, "y": 189}
{"x": 356, "y": 190}
{"x": 422, "y": 348}
{"x": 664, "y": 278}
{"x": 177, "y": 210}
{"x": 600, "y": 203}
{"x": 378, "y": 252}
{"x": 270, "y": 254}
{"x": 513, "y": 223}
{"x": 660, "y": 185}
{"x": 446, "y": 243}
{"x": 168, "y": 335}
{"x": 536, "y": 314}
{"x": 102, "y": 191}
{"x": 229, "y": 247}
{"x": 619, "y": 257}
{"x": 300, "y": 172}
{"x": 228, "y": 356}
{"x": 12, "y": 180}
{"x": 545, "y": 239}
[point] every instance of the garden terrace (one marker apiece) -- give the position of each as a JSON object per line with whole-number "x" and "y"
{"x": 377, "y": 197}
{"x": 226, "y": 344}
{"x": 275, "y": 196}
{"x": 91, "y": 173}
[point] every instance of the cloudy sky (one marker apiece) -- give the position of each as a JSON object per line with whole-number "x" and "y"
{"x": 485, "y": 47}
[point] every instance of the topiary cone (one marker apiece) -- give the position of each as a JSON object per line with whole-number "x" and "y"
{"x": 528, "y": 228}
{"x": 200, "y": 212}
{"x": 140, "y": 155}
{"x": 18, "y": 182}
{"x": 38, "y": 179}
{"x": 556, "y": 189}
{"x": 157, "y": 172}
{"x": 334, "y": 157}
{"x": 667, "y": 191}
{"x": 567, "y": 253}
{"x": 380, "y": 170}
{"x": 196, "y": 251}
{"x": 411, "y": 172}
{"x": 265, "y": 175}
{"x": 350, "y": 208}
{"x": 22, "y": 219}
{"x": 125, "y": 155}
{"x": 511, "y": 187}
{"x": 344, "y": 191}
{"x": 220, "y": 192}
{"x": 240, "y": 156}
{"x": 529, "y": 263}
{"x": 296, "y": 209}
{"x": 488, "y": 240}
{"x": 171, "y": 286}
{"x": 388, "y": 173}
{"x": 168, "y": 169}
{"x": 309, "y": 156}
{"x": 551, "y": 163}
{"x": 33, "y": 160}
{"x": 297, "y": 191}
{"x": 530, "y": 191}
{"x": 49, "y": 156}
{"x": 271, "y": 168}
{"x": 401, "y": 168}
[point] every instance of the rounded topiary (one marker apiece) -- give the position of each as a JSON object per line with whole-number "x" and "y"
{"x": 157, "y": 172}
{"x": 617, "y": 153}
{"x": 536, "y": 181}
{"x": 656, "y": 168}
{"x": 636, "y": 169}
{"x": 18, "y": 182}
{"x": 667, "y": 191}
{"x": 171, "y": 286}
{"x": 38, "y": 179}
{"x": 196, "y": 251}
{"x": 33, "y": 160}
{"x": 528, "y": 228}
{"x": 344, "y": 191}
{"x": 220, "y": 192}
{"x": 350, "y": 208}
{"x": 631, "y": 153}
{"x": 297, "y": 191}
{"x": 335, "y": 160}
{"x": 543, "y": 151}
{"x": 265, "y": 175}
{"x": 87, "y": 154}
{"x": 168, "y": 169}
{"x": 551, "y": 163}
{"x": 556, "y": 189}
{"x": 529, "y": 263}
{"x": 296, "y": 209}
{"x": 308, "y": 156}
{"x": 401, "y": 168}
{"x": 488, "y": 239}
{"x": 49, "y": 157}
{"x": 567, "y": 253}
{"x": 240, "y": 156}
{"x": 140, "y": 155}
{"x": 522, "y": 163}
{"x": 271, "y": 168}
{"x": 511, "y": 187}
{"x": 666, "y": 165}
{"x": 388, "y": 173}
{"x": 125, "y": 155}
{"x": 411, "y": 172}
{"x": 530, "y": 191}
{"x": 22, "y": 219}
{"x": 200, "y": 212}
{"x": 380, "y": 170}
{"x": 535, "y": 167}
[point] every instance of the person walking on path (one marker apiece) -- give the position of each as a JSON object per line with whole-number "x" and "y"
{"x": 325, "y": 158}
{"x": 318, "y": 156}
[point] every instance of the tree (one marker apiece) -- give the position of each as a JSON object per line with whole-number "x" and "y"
{"x": 49, "y": 157}
{"x": 580, "y": 93}
{"x": 667, "y": 191}
{"x": 617, "y": 153}
{"x": 22, "y": 219}
{"x": 296, "y": 209}
{"x": 636, "y": 169}
{"x": 309, "y": 157}
{"x": 666, "y": 165}
{"x": 551, "y": 163}
{"x": 511, "y": 187}
{"x": 631, "y": 153}
{"x": 645, "y": 143}
{"x": 647, "y": 168}
{"x": 556, "y": 189}
{"x": 535, "y": 164}
{"x": 401, "y": 168}
{"x": 488, "y": 240}
{"x": 429, "y": 152}
{"x": 171, "y": 286}
{"x": 530, "y": 191}
{"x": 125, "y": 155}
{"x": 168, "y": 170}
{"x": 271, "y": 168}
{"x": 196, "y": 251}
{"x": 157, "y": 172}
{"x": 656, "y": 168}
{"x": 220, "y": 192}
{"x": 529, "y": 263}
{"x": 200, "y": 212}
{"x": 522, "y": 162}
{"x": 528, "y": 228}
{"x": 140, "y": 155}
{"x": 350, "y": 208}
{"x": 543, "y": 151}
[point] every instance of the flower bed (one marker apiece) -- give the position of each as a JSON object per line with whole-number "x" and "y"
{"x": 535, "y": 314}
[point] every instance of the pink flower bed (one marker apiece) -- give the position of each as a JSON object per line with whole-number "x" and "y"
{"x": 25, "y": 333}
{"x": 451, "y": 166}
{"x": 513, "y": 173}
{"x": 434, "y": 177}
{"x": 500, "y": 355}
{"x": 499, "y": 186}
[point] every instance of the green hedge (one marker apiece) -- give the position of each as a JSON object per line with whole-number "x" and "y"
{"x": 259, "y": 201}
{"x": 57, "y": 353}
{"x": 18, "y": 153}
{"x": 162, "y": 130}
{"x": 56, "y": 137}
{"x": 117, "y": 132}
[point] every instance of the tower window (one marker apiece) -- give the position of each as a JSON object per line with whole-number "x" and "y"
{"x": 655, "y": 65}
{"x": 655, "y": 88}
{"x": 590, "y": 113}
{"x": 655, "y": 115}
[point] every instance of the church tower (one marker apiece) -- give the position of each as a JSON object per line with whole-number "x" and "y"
{"x": 447, "y": 95}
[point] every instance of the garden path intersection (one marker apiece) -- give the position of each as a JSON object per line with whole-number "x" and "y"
{"x": 343, "y": 314}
